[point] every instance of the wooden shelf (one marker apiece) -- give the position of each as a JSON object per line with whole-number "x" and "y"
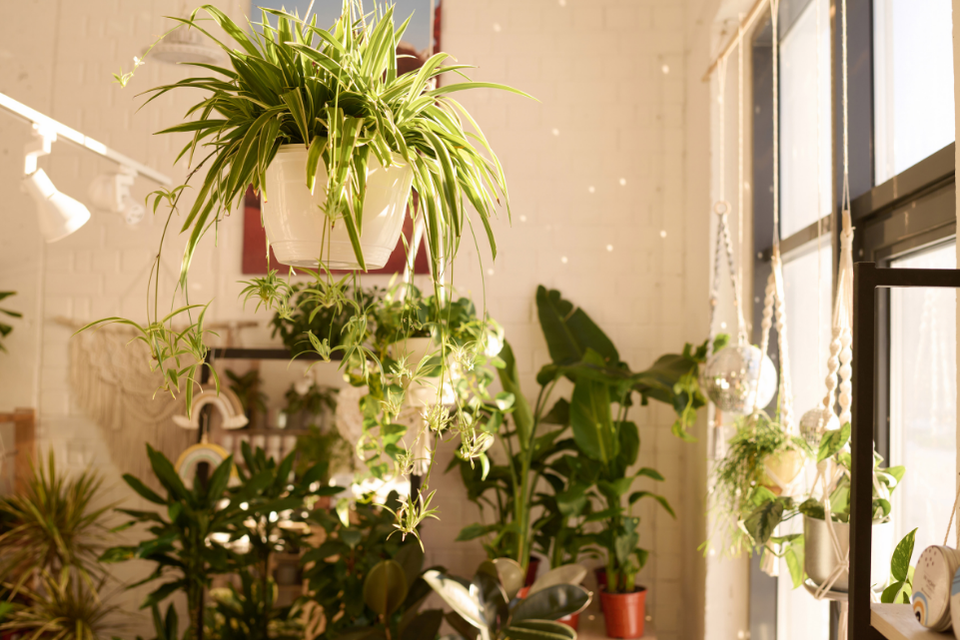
{"x": 896, "y": 622}
{"x": 592, "y": 626}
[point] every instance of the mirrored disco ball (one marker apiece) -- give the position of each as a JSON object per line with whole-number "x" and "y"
{"x": 730, "y": 379}
{"x": 810, "y": 427}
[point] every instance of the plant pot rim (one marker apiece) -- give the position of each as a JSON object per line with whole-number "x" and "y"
{"x": 298, "y": 147}
{"x": 636, "y": 590}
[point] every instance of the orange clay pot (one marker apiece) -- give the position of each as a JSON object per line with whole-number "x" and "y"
{"x": 624, "y": 613}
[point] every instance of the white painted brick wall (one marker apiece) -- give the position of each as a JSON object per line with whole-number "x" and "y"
{"x": 598, "y": 161}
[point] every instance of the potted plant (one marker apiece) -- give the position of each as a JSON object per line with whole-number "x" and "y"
{"x": 306, "y": 116}
{"x": 537, "y": 437}
{"x": 486, "y": 607}
{"x": 742, "y": 479}
{"x": 51, "y": 535}
{"x": 306, "y": 314}
{"x": 812, "y": 553}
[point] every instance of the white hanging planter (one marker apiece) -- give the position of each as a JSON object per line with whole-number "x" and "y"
{"x": 781, "y": 469}
{"x": 301, "y": 234}
{"x": 820, "y": 558}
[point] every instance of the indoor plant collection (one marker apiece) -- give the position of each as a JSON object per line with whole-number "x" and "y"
{"x": 584, "y": 447}
{"x": 322, "y": 124}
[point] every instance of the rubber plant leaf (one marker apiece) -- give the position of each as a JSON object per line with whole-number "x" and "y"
{"x": 552, "y": 603}
{"x": 385, "y": 587}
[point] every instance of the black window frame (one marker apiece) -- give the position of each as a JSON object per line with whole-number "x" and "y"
{"x": 913, "y": 210}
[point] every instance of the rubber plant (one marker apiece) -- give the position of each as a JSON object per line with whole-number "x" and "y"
{"x": 337, "y": 93}
{"x": 487, "y": 607}
{"x": 536, "y": 440}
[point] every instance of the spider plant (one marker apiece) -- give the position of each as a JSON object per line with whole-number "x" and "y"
{"x": 56, "y": 523}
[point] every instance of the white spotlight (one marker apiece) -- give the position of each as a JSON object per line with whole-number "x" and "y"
{"x": 59, "y": 214}
{"x": 111, "y": 192}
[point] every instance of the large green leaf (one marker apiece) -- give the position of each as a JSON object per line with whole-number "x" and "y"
{"x": 385, "y": 587}
{"x": 552, "y": 603}
{"x": 456, "y": 593}
{"x": 539, "y": 630}
{"x": 565, "y": 574}
{"x": 425, "y": 625}
{"x": 510, "y": 379}
{"x": 591, "y": 421}
{"x": 569, "y": 331}
{"x": 900, "y": 562}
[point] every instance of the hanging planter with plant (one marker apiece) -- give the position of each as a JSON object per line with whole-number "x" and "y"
{"x": 322, "y": 124}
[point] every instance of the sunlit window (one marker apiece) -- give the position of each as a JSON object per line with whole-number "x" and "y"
{"x": 913, "y": 82}
{"x": 923, "y": 399}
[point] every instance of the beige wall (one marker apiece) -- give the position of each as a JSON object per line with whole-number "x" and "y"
{"x": 609, "y": 171}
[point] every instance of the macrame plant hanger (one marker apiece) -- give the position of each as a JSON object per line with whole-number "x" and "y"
{"x": 774, "y": 303}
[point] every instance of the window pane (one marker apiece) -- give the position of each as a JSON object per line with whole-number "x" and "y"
{"x": 800, "y": 617}
{"x": 923, "y": 401}
{"x": 798, "y": 120}
{"x": 913, "y": 82}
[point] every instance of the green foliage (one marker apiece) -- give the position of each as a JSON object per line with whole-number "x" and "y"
{"x": 65, "y": 607}
{"x": 766, "y": 511}
{"x": 250, "y": 613}
{"x": 5, "y": 329}
{"x": 738, "y": 490}
{"x": 306, "y": 314}
{"x": 582, "y": 447}
{"x": 901, "y": 573}
{"x": 183, "y": 541}
{"x": 56, "y": 523}
{"x": 249, "y": 389}
{"x": 365, "y": 580}
{"x": 484, "y": 607}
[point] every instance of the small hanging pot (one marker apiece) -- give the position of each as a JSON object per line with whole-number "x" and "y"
{"x": 780, "y": 469}
{"x": 933, "y": 582}
{"x": 820, "y": 559}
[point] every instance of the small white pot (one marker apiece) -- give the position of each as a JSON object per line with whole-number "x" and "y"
{"x": 781, "y": 469}
{"x": 300, "y": 232}
{"x": 820, "y": 559}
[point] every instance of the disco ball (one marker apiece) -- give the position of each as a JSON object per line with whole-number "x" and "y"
{"x": 810, "y": 427}
{"x": 733, "y": 377}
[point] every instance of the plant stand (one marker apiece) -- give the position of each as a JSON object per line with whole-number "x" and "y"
{"x": 872, "y": 621}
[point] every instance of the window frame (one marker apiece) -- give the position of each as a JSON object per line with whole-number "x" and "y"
{"x": 913, "y": 210}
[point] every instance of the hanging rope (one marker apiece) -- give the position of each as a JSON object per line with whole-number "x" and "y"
{"x": 774, "y": 310}
{"x": 721, "y": 208}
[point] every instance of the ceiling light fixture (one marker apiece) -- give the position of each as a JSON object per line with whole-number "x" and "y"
{"x": 111, "y": 192}
{"x": 59, "y": 215}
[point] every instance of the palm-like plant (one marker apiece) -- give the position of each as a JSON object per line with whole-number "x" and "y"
{"x": 5, "y": 329}
{"x": 66, "y": 607}
{"x": 56, "y": 523}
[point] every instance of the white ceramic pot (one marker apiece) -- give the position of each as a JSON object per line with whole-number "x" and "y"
{"x": 302, "y": 235}
{"x": 820, "y": 559}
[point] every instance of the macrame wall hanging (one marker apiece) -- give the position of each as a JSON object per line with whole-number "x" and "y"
{"x": 111, "y": 381}
{"x": 740, "y": 376}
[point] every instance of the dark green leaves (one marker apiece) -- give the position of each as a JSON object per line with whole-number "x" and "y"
{"x": 591, "y": 421}
{"x": 569, "y": 331}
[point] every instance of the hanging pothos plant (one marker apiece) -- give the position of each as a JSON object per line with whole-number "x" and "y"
{"x": 337, "y": 95}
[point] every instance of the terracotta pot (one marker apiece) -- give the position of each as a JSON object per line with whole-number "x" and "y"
{"x": 532, "y": 569}
{"x": 624, "y": 613}
{"x": 572, "y": 621}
